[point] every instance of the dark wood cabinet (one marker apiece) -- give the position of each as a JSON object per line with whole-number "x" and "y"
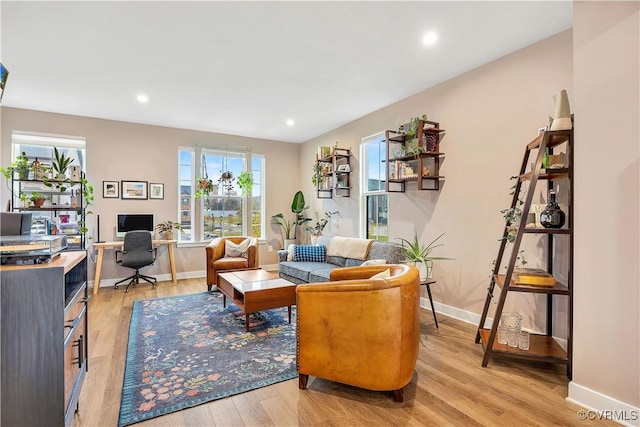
{"x": 543, "y": 347}
{"x": 422, "y": 166}
{"x": 44, "y": 340}
{"x": 336, "y": 174}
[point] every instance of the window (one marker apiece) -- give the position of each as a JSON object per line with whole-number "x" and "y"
{"x": 226, "y": 211}
{"x": 375, "y": 201}
{"x": 40, "y": 146}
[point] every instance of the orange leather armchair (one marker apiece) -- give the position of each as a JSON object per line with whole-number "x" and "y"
{"x": 217, "y": 262}
{"x": 360, "y": 331}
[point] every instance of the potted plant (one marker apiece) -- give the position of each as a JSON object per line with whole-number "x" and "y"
{"x": 166, "y": 229}
{"x": 245, "y": 182}
{"x": 20, "y": 166}
{"x": 37, "y": 199}
{"x": 316, "y": 230}
{"x": 297, "y": 207}
{"x": 419, "y": 254}
{"x": 60, "y": 163}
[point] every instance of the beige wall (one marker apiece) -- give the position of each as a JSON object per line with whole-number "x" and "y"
{"x": 128, "y": 151}
{"x": 607, "y": 109}
{"x": 490, "y": 114}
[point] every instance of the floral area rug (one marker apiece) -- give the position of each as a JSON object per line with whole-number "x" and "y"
{"x": 187, "y": 350}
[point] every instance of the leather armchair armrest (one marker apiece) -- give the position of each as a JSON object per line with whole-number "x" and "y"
{"x": 360, "y": 272}
{"x": 253, "y": 253}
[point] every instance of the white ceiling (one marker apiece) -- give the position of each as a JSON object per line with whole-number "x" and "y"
{"x": 243, "y": 68}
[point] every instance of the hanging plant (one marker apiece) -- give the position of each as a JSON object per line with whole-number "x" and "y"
{"x": 226, "y": 183}
{"x": 245, "y": 182}
{"x": 316, "y": 178}
{"x": 204, "y": 189}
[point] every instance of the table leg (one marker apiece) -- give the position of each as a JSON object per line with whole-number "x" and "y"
{"x": 433, "y": 310}
{"x": 172, "y": 264}
{"x": 289, "y": 314}
{"x": 96, "y": 279}
{"x": 246, "y": 322}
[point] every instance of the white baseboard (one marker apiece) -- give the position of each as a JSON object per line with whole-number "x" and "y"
{"x": 160, "y": 277}
{"x": 600, "y": 406}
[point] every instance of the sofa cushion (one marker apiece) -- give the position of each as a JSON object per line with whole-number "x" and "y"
{"x": 336, "y": 260}
{"x": 301, "y": 270}
{"x": 312, "y": 253}
{"x": 322, "y": 273}
{"x": 390, "y": 251}
{"x": 350, "y": 262}
{"x": 230, "y": 263}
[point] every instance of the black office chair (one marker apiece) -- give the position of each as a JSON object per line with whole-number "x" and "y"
{"x": 138, "y": 252}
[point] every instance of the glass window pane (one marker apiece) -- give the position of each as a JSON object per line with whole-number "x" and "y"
{"x": 185, "y": 186}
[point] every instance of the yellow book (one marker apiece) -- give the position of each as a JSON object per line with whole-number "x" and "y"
{"x": 533, "y": 277}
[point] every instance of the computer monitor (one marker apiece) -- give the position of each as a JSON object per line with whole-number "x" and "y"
{"x": 15, "y": 223}
{"x": 132, "y": 222}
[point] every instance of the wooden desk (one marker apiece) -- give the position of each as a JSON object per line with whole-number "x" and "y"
{"x": 119, "y": 244}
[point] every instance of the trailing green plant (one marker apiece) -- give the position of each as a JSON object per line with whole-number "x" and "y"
{"x": 317, "y": 173}
{"x": 512, "y": 216}
{"x": 20, "y": 166}
{"x": 413, "y": 126}
{"x": 60, "y": 162}
{"x": 245, "y": 182}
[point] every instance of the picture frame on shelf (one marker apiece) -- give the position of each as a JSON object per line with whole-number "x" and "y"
{"x": 133, "y": 190}
{"x": 110, "y": 190}
{"x": 156, "y": 190}
{"x": 344, "y": 168}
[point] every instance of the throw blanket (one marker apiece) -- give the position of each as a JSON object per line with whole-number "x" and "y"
{"x": 349, "y": 247}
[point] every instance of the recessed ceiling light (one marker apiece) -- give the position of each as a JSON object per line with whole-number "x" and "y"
{"x": 290, "y": 122}
{"x": 429, "y": 38}
{"x": 143, "y": 98}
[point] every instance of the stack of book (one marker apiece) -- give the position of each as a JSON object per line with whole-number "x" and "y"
{"x": 533, "y": 277}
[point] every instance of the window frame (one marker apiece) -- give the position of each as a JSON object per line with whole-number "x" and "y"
{"x": 365, "y": 192}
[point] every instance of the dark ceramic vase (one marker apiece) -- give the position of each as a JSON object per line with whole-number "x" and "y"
{"x": 552, "y": 216}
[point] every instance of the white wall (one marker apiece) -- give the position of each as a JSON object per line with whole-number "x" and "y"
{"x": 607, "y": 187}
{"x": 128, "y": 151}
{"x": 490, "y": 114}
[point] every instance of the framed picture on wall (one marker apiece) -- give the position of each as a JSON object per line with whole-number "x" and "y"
{"x": 133, "y": 190}
{"x": 110, "y": 189}
{"x": 156, "y": 190}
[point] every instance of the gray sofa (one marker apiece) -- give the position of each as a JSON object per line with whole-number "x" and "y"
{"x": 311, "y": 272}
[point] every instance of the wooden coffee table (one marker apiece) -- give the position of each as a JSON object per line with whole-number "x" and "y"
{"x": 255, "y": 290}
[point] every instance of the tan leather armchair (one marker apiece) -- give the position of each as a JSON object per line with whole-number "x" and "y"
{"x": 217, "y": 262}
{"x": 360, "y": 331}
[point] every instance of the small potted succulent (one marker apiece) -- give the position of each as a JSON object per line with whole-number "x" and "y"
{"x": 166, "y": 229}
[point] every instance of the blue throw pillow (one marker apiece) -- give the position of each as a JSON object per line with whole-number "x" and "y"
{"x": 313, "y": 253}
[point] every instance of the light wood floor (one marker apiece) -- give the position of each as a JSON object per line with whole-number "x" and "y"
{"x": 449, "y": 387}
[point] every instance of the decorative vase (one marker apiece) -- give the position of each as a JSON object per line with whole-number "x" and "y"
{"x": 288, "y": 242}
{"x": 168, "y": 235}
{"x": 38, "y": 202}
{"x": 314, "y": 238}
{"x": 422, "y": 268}
{"x": 552, "y": 216}
{"x": 75, "y": 173}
